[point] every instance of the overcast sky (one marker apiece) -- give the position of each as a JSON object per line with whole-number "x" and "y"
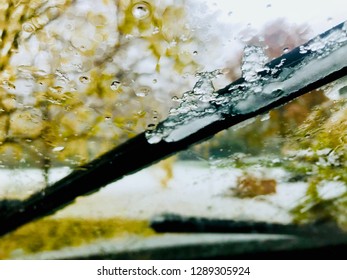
{"x": 319, "y": 14}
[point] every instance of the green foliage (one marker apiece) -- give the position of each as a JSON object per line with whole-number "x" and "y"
{"x": 323, "y": 139}
{"x": 85, "y": 101}
{"x": 54, "y": 234}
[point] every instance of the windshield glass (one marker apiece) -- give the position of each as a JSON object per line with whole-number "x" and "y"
{"x": 79, "y": 78}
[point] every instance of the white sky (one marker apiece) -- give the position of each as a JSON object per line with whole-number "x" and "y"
{"x": 319, "y": 14}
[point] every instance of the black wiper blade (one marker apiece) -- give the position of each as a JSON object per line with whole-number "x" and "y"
{"x": 310, "y": 66}
{"x": 173, "y": 223}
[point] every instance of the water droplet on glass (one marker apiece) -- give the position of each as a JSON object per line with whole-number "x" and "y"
{"x": 28, "y": 27}
{"x": 230, "y": 13}
{"x": 195, "y": 52}
{"x": 8, "y": 85}
{"x": 69, "y": 26}
{"x": 175, "y": 98}
{"x": 141, "y": 10}
{"x": 129, "y": 124}
{"x": 154, "y": 81}
{"x": 286, "y": 50}
{"x": 58, "y": 149}
{"x": 97, "y": 19}
{"x": 151, "y": 126}
{"x": 268, "y": 6}
{"x": 56, "y": 89}
{"x": 84, "y": 80}
{"x": 129, "y": 36}
{"x": 115, "y": 85}
{"x": 141, "y": 113}
{"x": 142, "y": 91}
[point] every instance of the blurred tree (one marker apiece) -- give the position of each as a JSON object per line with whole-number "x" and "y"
{"x": 318, "y": 151}
{"x": 266, "y": 132}
{"x": 80, "y": 77}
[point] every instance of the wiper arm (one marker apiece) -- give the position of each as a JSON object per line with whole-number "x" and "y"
{"x": 172, "y": 223}
{"x": 310, "y": 66}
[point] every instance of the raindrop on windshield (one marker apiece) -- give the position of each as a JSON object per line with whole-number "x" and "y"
{"x": 115, "y": 85}
{"x": 286, "y": 50}
{"x": 151, "y": 126}
{"x": 84, "y": 79}
{"x": 142, "y": 91}
{"x": 58, "y": 149}
{"x": 28, "y": 27}
{"x": 141, "y": 10}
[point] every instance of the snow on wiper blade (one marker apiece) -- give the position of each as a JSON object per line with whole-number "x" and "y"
{"x": 261, "y": 85}
{"x": 312, "y": 65}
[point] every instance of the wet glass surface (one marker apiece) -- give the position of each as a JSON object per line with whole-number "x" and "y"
{"x": 78, "y": 78}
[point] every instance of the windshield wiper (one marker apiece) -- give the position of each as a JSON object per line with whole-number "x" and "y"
{"x": 307, "y": 67}
{"x": 173, "y": 223}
